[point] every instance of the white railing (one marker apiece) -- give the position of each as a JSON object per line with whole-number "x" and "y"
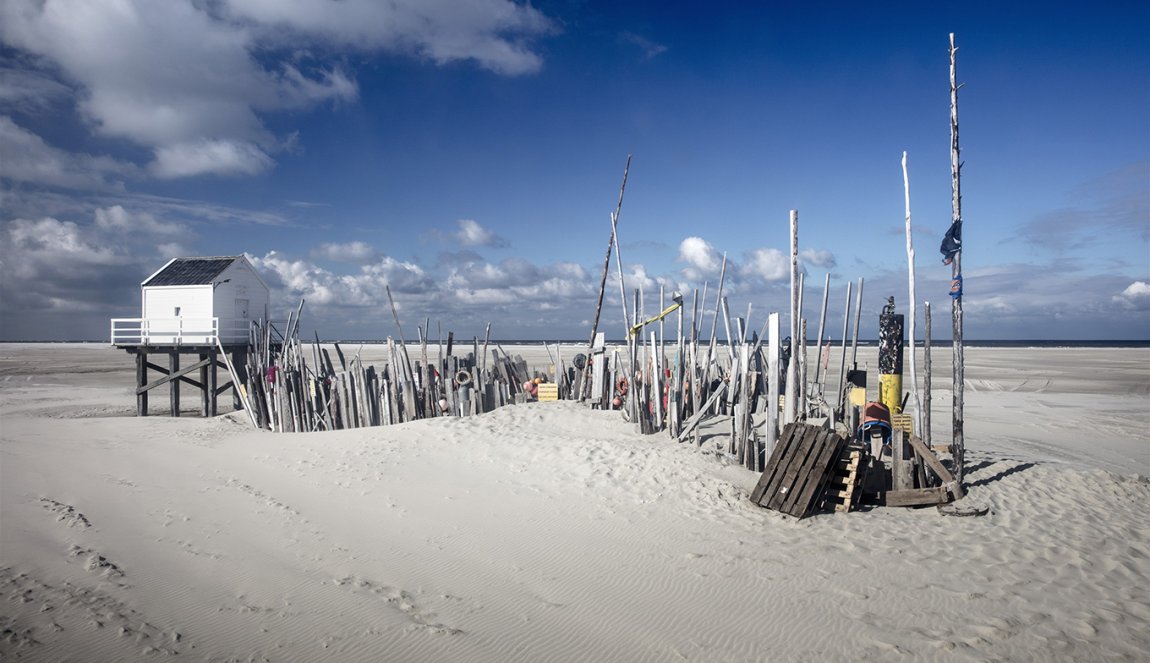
{"x": 177, "y": 331}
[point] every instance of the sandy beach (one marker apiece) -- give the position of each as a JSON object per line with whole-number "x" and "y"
{"x": 551, "y": 532}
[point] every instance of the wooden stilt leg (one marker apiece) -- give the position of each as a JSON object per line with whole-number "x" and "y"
{"x": 212, "y": 383}
{"x": 173, "y": 368}
{"x": 205, "y": 392}
{"x": 141, "y": 381}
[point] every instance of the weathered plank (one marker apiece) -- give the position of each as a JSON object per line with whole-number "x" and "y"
{"x": 917, "y": 496}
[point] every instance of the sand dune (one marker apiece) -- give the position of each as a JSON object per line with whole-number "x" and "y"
{"x": 550, "y": 532}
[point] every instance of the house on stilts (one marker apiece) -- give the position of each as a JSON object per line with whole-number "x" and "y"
{"x": 199, "y": 306}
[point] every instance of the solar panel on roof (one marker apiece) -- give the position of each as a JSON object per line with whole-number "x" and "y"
{"x": 191, "y": 271}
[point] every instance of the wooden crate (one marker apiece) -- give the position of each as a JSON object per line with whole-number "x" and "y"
{"x": 903, "y": 422}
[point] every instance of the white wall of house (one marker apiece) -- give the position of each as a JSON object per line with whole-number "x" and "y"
{"x": 240, "y": 297}
{"x": 178, "y": 312}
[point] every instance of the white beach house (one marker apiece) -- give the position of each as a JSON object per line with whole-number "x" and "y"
{"x": 195, "y": 301}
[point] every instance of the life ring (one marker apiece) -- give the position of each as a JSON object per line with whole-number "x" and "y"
{"x": 463, "y": 377}
{"x": 621, "y": 386}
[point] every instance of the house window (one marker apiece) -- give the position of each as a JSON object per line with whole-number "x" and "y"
{"x": 177, "y": 312}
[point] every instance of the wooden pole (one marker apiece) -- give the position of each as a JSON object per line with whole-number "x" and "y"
{"x": 926, "y": 364}
{"x": 822, "y": 328}
{"x": 612, "y": 242}
{"x": 840, "y": 403}
{"x": 731, "y": 341}
{"x": 771, "y": 436}
{"x": 910, "y": 280}
{"x": 958, "y": 443}
{"x": 858, "y": 321}
{"x": 801, "y": 376}
{"x": 714, "y": 324}
{"x": 791, "y": 412}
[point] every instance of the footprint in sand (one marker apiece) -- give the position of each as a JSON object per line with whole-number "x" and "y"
{"x": 401, "y": 600}
{"x": 65, "y": 513}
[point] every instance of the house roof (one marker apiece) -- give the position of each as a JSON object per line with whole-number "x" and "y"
{"x": 191, "y": 271}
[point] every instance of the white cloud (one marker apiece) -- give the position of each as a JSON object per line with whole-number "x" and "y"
{"x": 472, "y": 234}
{"x": 190, "y": 80}
{"x": 53, "y": 264}
{"x": 28, "y": 90}
{"x": 168, "y": 76}
{"x": 219, "y": 157}
{"x": 816, "y": 258}
{"x": 768, "y": 264}
{"x": 27, "y": 158}
{"x": 650, "y": 48}
{"x": 116, "y": 219}
{"x": 702, "y": 259}
{"x": 495, "y": 34}
{"x": 295, "y": 279}
{"x": 1135, "y": 296}
{"x": 353, "y": 252}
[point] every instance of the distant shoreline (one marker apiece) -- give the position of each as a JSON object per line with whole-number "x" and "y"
{"x": 936, "y": 343}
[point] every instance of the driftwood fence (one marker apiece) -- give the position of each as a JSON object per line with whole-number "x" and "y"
{"x": 291, "y": 385}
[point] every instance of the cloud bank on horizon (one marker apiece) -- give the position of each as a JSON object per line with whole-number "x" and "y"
{"x": 465, "y": 155}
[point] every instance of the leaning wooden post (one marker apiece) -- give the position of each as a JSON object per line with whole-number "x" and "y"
{"x": 801, "y": 352}
{"x": 926, "y": 364}
{"x": 802, "y": 378}
{"x": 910, "y": 279}
{"x": 714, "y": 325}
{"x": 858, "y": 321}
{"x": 791, "y": 412}
{"x": 958, "y": 443}
{"x": 839, "y": 404}
{"x": 606, "y": 269}
{"x": 822, "y": 328}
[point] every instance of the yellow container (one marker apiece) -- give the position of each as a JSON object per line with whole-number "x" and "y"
{"x": 890, "y": 392}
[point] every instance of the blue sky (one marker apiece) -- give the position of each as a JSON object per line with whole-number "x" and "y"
{"x": 469, "y": 154}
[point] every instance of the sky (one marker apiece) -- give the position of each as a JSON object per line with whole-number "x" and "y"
{"x": 469, "y": 156}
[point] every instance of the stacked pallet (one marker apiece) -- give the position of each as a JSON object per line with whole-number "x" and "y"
{"x": 846, "y": 479}
{"x": 798, "y": 471}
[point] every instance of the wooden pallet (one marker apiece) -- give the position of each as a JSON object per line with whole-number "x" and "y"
{"x": 843, "y": 485}
{"x": 797, "y": 471}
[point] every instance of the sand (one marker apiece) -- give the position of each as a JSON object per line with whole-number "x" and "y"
{"x": 550, "y": 532}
